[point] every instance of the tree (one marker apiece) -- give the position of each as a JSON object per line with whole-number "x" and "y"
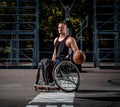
{"x": 51, "y": 12}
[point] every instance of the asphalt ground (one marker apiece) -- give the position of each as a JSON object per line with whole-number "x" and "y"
{"x": 98, "y": 88}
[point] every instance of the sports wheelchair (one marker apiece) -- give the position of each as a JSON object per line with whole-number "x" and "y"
{"x": 66, "y": 75}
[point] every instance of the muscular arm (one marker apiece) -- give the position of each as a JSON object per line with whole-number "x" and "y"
{"x": 71, "y": 43}
{"x": 54, "y": 52}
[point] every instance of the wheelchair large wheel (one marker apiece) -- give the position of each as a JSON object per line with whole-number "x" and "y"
{"x": 67, "y": 76}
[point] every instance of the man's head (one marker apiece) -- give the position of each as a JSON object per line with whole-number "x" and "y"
{"x": 62, "y": 28}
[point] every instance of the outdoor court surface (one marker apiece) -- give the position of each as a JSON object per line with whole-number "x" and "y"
{"x": 99, "y": 88}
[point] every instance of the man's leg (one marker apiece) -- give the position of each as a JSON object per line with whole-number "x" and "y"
{"x": 37, "y": 76}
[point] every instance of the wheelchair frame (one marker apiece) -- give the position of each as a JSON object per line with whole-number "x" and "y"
{"x": 66, "y": 76}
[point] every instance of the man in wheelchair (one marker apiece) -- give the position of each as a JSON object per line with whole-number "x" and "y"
{"x": 62, "y": 46}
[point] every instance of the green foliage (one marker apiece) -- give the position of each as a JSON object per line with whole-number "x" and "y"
{"x": 51, "y": 12}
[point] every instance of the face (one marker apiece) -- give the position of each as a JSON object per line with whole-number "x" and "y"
{"x": 62, "y": 28}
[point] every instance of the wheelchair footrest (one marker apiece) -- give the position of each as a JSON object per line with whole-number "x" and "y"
{"x": 45, "y": 87}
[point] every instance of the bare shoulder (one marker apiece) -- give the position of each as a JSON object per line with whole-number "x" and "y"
{"x": 71, "y": 39}
{"x": 55, "y": 40}
{"x": 71, "y": 43}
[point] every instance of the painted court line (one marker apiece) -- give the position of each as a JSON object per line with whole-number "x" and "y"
{"x": 53, "y": 97}
{"x": 51, "y": 105}
{"x": 32, "y": 106}
{"x": 61, "y": 105}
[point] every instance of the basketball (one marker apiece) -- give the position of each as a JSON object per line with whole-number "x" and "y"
{"x": 79, "y": 57}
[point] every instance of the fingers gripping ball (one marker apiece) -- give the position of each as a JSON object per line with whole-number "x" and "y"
{"x": 79, "y": 57}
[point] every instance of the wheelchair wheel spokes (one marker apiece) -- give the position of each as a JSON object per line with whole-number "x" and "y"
{"x": 67, "y": 76}
{"x": 67, "y": 85}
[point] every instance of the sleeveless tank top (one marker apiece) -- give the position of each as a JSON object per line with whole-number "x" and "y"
{"x": 61, "y": 49}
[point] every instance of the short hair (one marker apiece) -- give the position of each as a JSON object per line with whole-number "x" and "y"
{"x": 63, "y": 22}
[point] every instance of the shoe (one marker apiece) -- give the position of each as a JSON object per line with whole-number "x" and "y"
{"x": 35, "y": 86}
{"x": 51, "y": 83}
